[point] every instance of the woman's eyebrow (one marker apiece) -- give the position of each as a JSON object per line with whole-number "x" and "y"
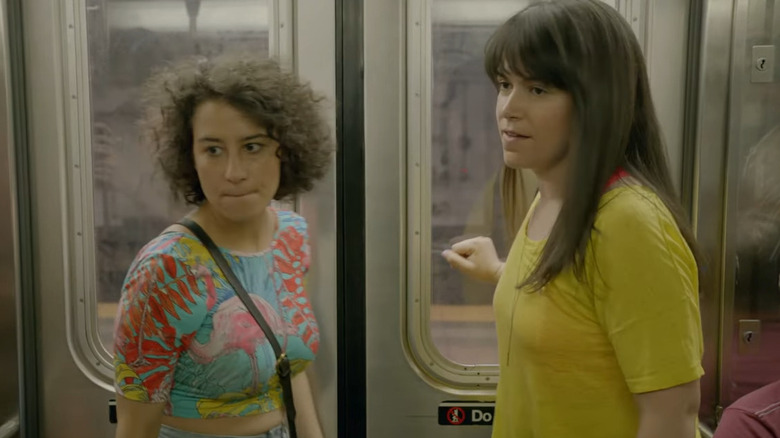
{"x": 504, "y": 73}
{"x": 207, "y": 139}
{"x": 259, "y": 135}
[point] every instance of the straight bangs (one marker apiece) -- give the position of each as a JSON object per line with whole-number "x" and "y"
{"x": 524, "y": 46}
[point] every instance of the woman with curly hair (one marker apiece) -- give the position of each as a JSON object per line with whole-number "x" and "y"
{"x": 231, "y": 136}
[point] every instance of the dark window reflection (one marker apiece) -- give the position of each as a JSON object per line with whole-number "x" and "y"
{"x": 466, "y": 160}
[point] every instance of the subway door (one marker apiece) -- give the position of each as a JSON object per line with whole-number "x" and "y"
{"x": 96, "y": 195}
{"x": 432, "y": 169}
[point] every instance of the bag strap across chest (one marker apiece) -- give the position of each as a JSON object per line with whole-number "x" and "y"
{"x": 282, "y": 361}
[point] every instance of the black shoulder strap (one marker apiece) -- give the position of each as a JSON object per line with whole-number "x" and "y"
{"x": 282, "y": 362}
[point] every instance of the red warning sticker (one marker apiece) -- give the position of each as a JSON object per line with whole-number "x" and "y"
{"x": 467, "y": 413}
{"x": 456, "y": 416}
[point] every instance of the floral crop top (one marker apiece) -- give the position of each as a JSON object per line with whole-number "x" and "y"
{"x": 183, "y": 337}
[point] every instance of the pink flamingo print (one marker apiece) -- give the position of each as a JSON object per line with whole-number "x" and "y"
{"x": 235, "y": 329}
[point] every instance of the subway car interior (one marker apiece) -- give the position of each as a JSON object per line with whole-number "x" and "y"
{"x": 404, "y": 337}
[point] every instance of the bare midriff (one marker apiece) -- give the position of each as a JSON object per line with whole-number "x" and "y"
{"x": 238, "y": 426}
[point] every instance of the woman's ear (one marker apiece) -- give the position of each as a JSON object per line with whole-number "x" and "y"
{"x": 281, "y": 153}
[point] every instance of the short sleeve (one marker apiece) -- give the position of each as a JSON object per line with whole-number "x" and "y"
{"x": 294, "y": 241}
{"x": 163, "y": 304}
{"x": 646, "y": 293}
{"x": 292, "y": 259}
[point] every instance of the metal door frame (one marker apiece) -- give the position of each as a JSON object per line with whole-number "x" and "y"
{"x": 708, "y": 187}
{"x": 351, "y": 248}
{"x": 11, "y": 295}
{"x": 15, "y": 83}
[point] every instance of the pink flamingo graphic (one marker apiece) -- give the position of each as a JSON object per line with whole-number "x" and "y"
{"x": 235, "y": 329}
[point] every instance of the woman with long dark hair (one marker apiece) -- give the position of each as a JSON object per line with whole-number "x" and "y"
{"x": 597, "y": 303}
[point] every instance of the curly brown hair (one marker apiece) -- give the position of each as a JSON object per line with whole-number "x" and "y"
{"x": 289, "y": 109}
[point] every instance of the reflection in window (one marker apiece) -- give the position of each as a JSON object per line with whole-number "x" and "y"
{"x": 757, "y": 241}
{"x": 127, "y": 41}
{"x": 466, "y": 160}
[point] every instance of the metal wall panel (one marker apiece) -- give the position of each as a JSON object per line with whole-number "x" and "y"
{"x": 398, "y": 401}
{"x": 667, "y": 64}
{"x": 709, "y": 191}
{"x": 9, "y": 284}
{"x": 315, "y": 62}
{"x": 751, "y": 262}
{"x": 737, "y": 147}
{"x": 71, "y": 404}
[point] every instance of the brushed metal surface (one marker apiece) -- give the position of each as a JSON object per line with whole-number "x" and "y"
{"x": 749, "y": 336}
{"x": 709, "y": 186}
{"x": 9, "y": 282}
{"x": 315, "y": 60}
{"x": 751, "y": 262}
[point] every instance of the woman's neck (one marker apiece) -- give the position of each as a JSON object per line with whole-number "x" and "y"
{"x": 552, "y": 182}
{"x": 251, "y": 235}
{"x": 552, "y": 189}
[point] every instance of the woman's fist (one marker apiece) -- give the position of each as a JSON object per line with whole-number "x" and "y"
{"x": 476, "y": 258}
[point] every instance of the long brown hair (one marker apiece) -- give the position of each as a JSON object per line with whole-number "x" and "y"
{"x": 587, "y": 49}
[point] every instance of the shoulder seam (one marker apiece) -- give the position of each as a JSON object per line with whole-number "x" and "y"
{"x": 769, "y": 409}
{"x": 167, "y": 251}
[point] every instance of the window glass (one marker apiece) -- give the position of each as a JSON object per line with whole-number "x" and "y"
{"x": 127, "y": 40}
{"x": 466, "y": 160}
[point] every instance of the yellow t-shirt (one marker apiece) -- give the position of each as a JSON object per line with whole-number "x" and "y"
{"x": 572, "y": 354}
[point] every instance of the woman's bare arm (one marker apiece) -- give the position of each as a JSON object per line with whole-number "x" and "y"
{"x": 669, "y": 413}
{"x": 306, "y": 420}
{"x": 138, "y": 419}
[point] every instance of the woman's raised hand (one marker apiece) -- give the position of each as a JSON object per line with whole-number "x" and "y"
{"x": 476, "y": 258}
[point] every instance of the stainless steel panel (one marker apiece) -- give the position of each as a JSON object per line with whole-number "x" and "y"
{"x": 667, "y": 61}
{"x": 709, "y": 188}
{"x": 763, "y": 64}
{"x": 749, "y": 336}
{"x": 9, "y": 281}
{"x": 751, "y": 280}
{"x": 398, "y": 401}
{"x": 316, "y": 63}
{"x": 70, "y": 403}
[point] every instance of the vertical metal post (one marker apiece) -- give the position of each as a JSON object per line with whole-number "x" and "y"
{"x": 350, "y": 186}
{"x": 15, "y": 133}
